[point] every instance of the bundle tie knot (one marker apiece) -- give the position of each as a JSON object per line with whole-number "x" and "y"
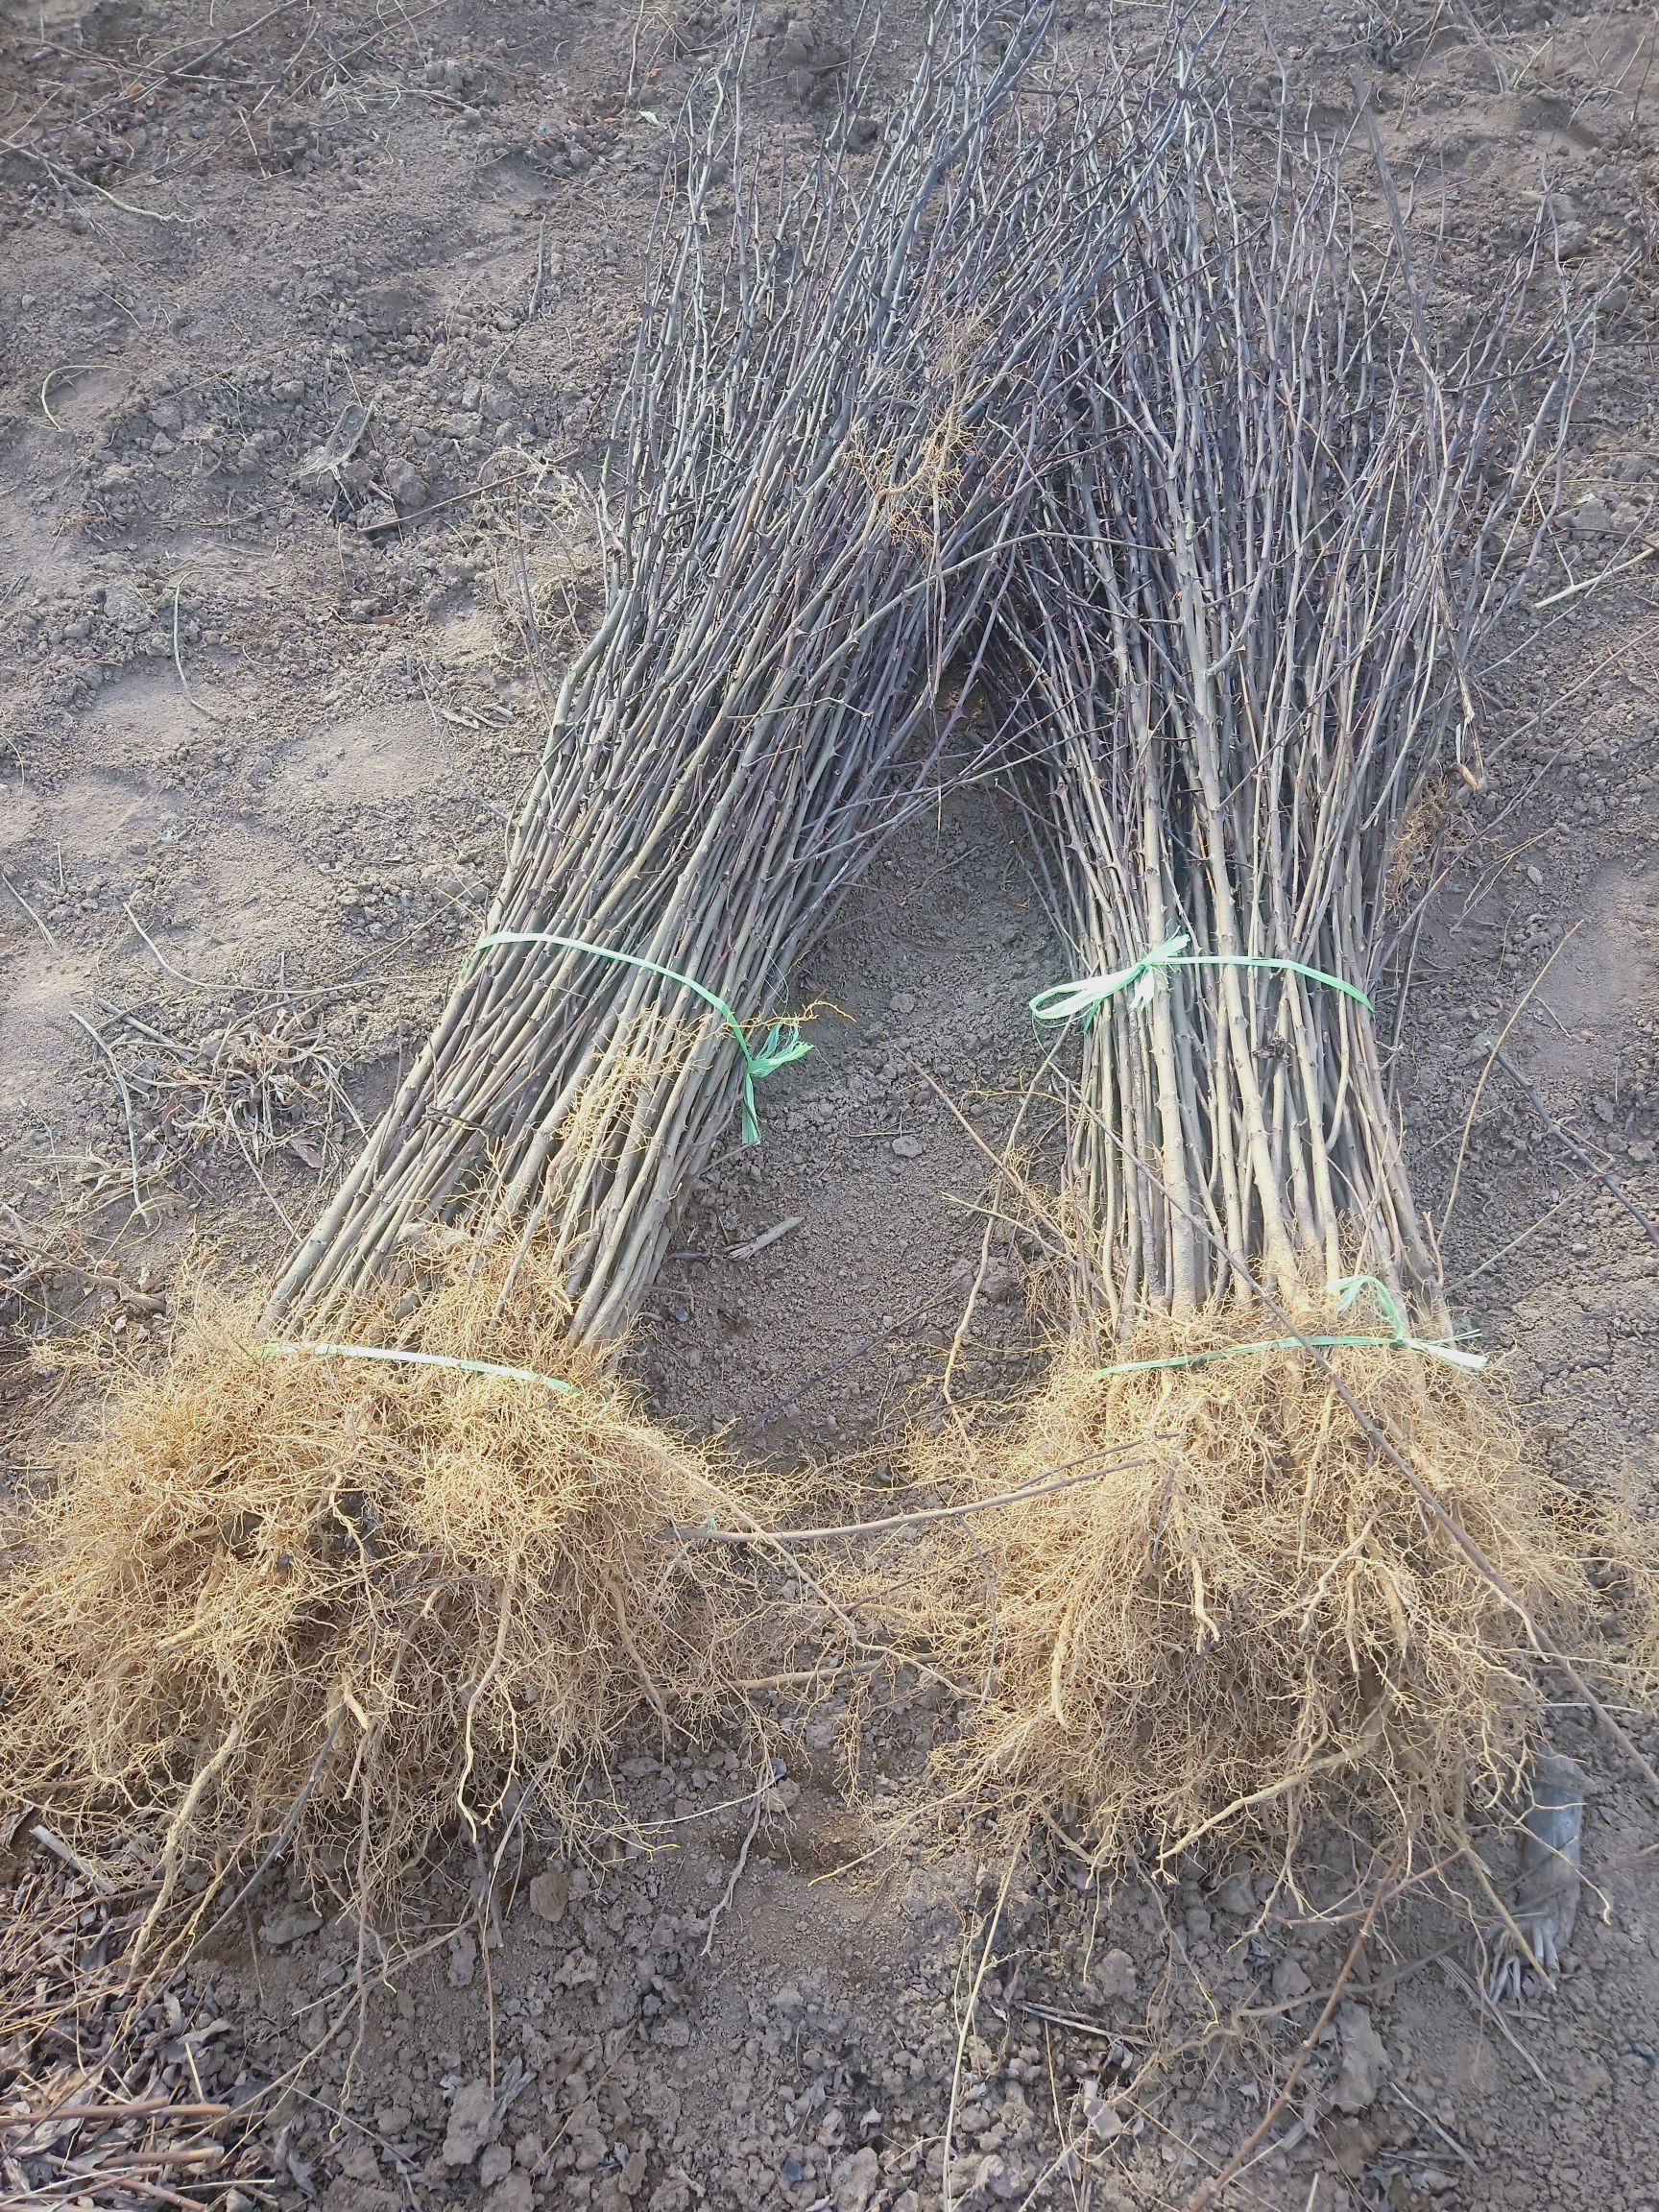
{"x": 782, "y": 1041}
{"x": 1088, "y": 994}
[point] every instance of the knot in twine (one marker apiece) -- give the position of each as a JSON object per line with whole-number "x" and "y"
{"x": 782, "y": 1043}
{"x": 1088, "y": 994}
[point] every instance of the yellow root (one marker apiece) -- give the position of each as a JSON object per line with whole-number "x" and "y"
{"x": 357, "y": 1605}
{"x": 1250, "y": 1616}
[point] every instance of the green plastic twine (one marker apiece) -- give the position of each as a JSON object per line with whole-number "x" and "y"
{"x": 401, "y": 1359}
{"x": 1349, "y": 1287}
{"x": 1063, "y": 1001}
{"x": 782, "y": 1042}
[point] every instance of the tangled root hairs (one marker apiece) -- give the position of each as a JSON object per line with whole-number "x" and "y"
{"x": 1249, "y": 1617}
{"x": 354, "y": 1607}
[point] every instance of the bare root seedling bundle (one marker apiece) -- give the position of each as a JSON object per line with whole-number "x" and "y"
{"x": 1027, "y": 402}
{"x": 841, "y": 423}
{"x": 387, "y": 1562}
{"x": 1246, "y": 625}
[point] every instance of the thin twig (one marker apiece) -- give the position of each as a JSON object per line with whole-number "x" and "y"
{"x": 965, "y": 2027}
{"x": 1016, "y": 1497}
{"x": 723, "y": 1902}
{"x": 1491, "y": 1062}
{"x": 179, "y": 660}
{"x": 28, "y": 910}
{"x": 1589, "y": 583}
{"x": 1565, "y": 1137}
{"x": 1208, "y": 2193}
{"x": 138, "y": 1206}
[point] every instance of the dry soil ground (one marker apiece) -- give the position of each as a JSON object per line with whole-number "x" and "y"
{"x": 263, "y": 715}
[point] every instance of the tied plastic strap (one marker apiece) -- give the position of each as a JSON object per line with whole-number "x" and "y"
{"x": 401, "y": 1359}
{"x": 1063, "y": 1001}
{"x": 781, "y": 1043}
{"x": 1349, "y": 1288}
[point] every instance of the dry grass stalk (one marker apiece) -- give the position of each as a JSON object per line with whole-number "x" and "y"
{"x": 101, "y": 2079}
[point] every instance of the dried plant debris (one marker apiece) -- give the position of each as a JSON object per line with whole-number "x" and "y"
{"x": 269, "y": 1079}
{"x": 112, "y": 2093}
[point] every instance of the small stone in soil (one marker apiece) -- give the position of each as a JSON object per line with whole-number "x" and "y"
{"x": 512, "y": 2193}
{"x": 1364, "y": 2064}
{"x": 855, "y": 2181}
{"x": 550, "y": 1894}
{"x": 471, "y": 2122}
{"x": 1289, "y": 1982}
{"x": 1116, "y": 1975}
{"x": 289, "y": 1928}
{"x": 1235, "y": 1895}
{"x": 1104, "y": 2122}
{"x": 462, "y": 1959}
